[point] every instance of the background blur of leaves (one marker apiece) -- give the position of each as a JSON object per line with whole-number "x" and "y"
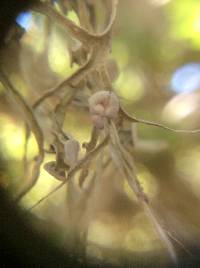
{"x": 156, "y": 44}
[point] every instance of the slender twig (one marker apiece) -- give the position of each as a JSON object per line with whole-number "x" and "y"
{"x": 60, "y": 109}
{"x": 179, "y": 243}
{"x": 161, "y": 232}
{"x": 155, "y": 124}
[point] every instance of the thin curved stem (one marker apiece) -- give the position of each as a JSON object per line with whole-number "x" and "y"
{"x": 33, "y": 124}
{"x": 73, "y": 80}
{"x": 155, "y": 124}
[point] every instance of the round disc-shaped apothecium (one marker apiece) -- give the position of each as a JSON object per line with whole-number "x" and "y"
{"x": 102, "y": 105}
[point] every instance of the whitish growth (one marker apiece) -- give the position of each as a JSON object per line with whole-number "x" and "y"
{"x": 103, "y": 105}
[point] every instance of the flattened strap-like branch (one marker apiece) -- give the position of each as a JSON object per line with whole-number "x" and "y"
{"x": 84, "y": 36}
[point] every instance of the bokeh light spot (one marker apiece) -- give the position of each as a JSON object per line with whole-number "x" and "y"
{"x": 24, "y": 19}
{"x": 186, "y": 78}
{"x": 129, "y": 86}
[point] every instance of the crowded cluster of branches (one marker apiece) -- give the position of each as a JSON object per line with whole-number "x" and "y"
{"x": 90, "y": 50}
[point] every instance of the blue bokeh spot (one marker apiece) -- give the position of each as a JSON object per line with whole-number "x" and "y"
{"x": 24, "y": 19}
{"x": 186, "y": 78}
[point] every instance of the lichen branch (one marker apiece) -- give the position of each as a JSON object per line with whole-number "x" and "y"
{"x": 32, "y": 122}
